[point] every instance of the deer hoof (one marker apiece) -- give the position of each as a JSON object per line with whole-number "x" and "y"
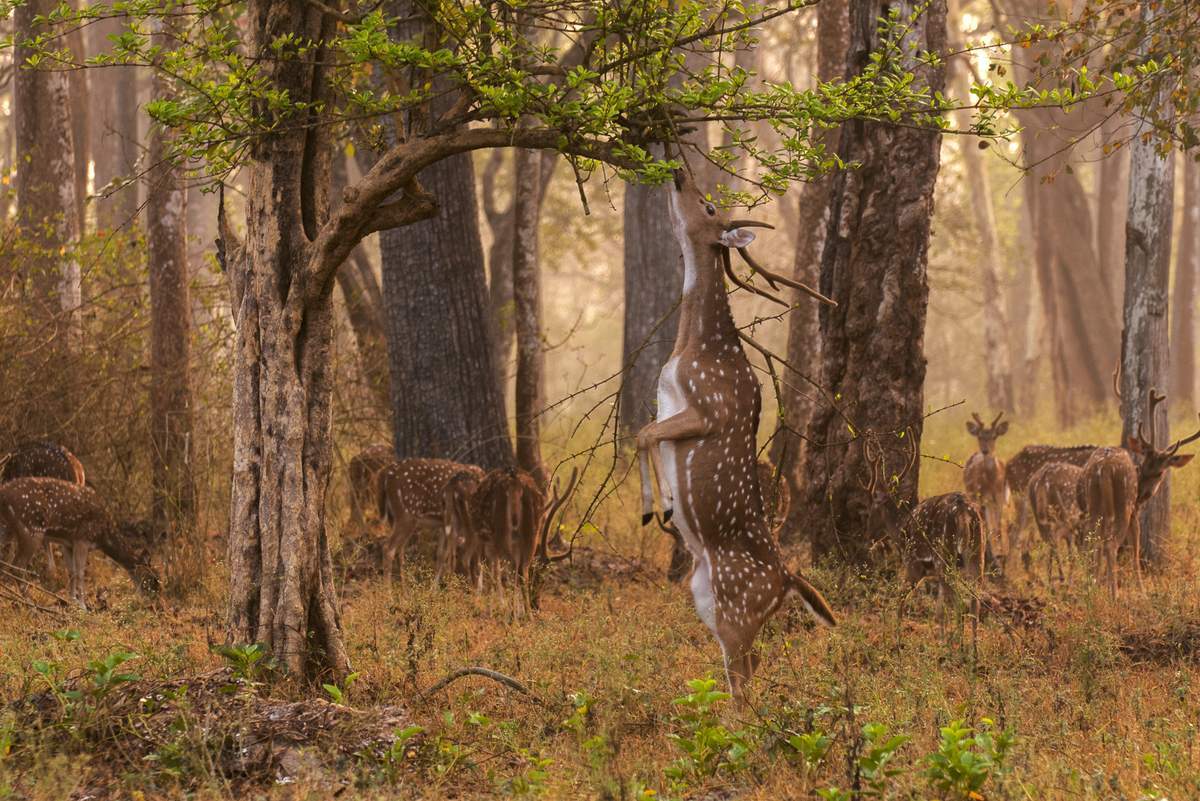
{"x": 647, "y": 517}
{"x": 667, "y": 515}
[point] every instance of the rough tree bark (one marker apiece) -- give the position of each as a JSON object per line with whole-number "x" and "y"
{"x": 1183, "y": 301}
{"x": 281, "y": 575}
{"x": 1144, "y": 344}
{"x": 796, "y": 398}
{"x": 47, "y": 213}
{"x": 499, "y": 263}
{"x": 173, "y": 487}
{"x": 874, "y": 265}
{"x": 527, "y": 302}
{"x": 996, "y": 358}
{"x": 447, "y": 402}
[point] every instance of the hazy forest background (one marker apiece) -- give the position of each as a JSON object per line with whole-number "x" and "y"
{"x": 452, "y": 339}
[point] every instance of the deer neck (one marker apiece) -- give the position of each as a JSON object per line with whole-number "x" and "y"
{"x": 704, "y": 315}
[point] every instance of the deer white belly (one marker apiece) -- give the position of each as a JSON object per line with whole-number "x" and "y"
{"x": 702, "y": 592}
{"x": 672, "y": 401}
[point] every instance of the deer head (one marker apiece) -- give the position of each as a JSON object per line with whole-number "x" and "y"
{"x": 707, "y": 232}
{"x": 133, "y": 545}
{"x": 886, "y": 515}
{"x": 1152, "y": 462}
{"x": 986, "y": 435}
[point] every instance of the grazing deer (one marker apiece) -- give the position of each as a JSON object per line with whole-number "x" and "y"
{"x": 412, "y": 496}
{"x": 363, "y": 478}
{"x": 701, "y": 447}
{"x": 777, "y": 500}
{"x": 940, "y": 538}
{"x": 43, "y": 459}
{"x": 37, "y": 510}
{"x": 1116, "y": 484}
{"x": 1017, "y": 475}
{"x": 461, "y": 546}
{"x": 983, "y": 477}
{"x": 1053, "y": 499}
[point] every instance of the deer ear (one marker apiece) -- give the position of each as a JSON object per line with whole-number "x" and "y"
{"x": 1180, "y": 459}
{"x": 972, "y": 428}
{"x": 1002, "y": 429}
{"x": 737, "y": 237}
{"x": 1134, "y": 444}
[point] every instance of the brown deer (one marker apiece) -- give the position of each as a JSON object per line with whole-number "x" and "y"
{"x": 1116, "y": 484}
{"x": 363, "y": 479}
{"x": 777, "y": 500}
{"x": 43, "y": 459}
{"x": 1017, "y": 475}
{"x": 37, "y": 510}
{"x": 940, "y": 539}
{"x": 983, "y": 477}
{"x": 461, "y": 546}
{"x": 412, "y": 496}
{"x": 701, "y": 447}
{"x": 1053, "y": 499}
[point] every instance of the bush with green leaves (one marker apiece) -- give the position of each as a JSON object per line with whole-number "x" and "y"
{"x": 966, "y": 759}
{"x": 707, "y": 746}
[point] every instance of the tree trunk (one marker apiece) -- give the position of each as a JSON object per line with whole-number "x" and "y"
{"x": 173, "y": 488}
{"x": 1112, "y": 200}
{"x": 357, "y": 282}
{"x": 281, "y": 575}
{"x": 500, "y": 266}
{"x": 80, "y": 122}
{"x": 1144, "y": 344}
{"x": 996, "y": 358}
{"x": 1183, "y": 304}
{"x": 653, "y": 286}
{"x": 447, "y": 403}
{"x": 47, "y": 213}
{"x": 113, "y": 133}
{"x": 797, "y": 397}
{"x": 530, "y": 389}
{"x": 874, "y": 265}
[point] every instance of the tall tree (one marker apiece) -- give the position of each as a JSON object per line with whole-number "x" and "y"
{"x": 1144, "y": 345}
{"x": 47, "y": 210}
{"x": 996, "y": 358}
{"x": 1112, "y": 202}
{"x": 796, "y": 398}
{"x": 1183, "y": 300}
{"x": 114, "y": 133}
{"x": 653, "y": 283}
{"x": 447, "y": 403}
{"x": 874, "y": 265}
{"x": 527, "y": 296}
{"x": 174, "y": 491}
{"x": 499, "y": 263}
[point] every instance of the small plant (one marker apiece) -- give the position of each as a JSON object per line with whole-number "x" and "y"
{"x": 966, "y": 759}
{"x": 402, "y": 748}
{"x": 708, "y": 747}
{"x": 247, "y": 662}
{"x": 105, "y": 673}
{"x": 874, "y": 763}
{"x": 530, "y": 782}
{"x": 338, "y": 694}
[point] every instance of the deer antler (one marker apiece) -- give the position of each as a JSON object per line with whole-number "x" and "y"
{"x": 556, "y": 503}
{"x": 728, "y": 264}
{"x": 978, "y": 419}
{"x": 1117, "y": 381}
{"x": 873, "y": 460}
{"x": 1180, "y": 443}
{"x": 913, "y": 454}
{"x": 774, "y": 278}
{"x": 997, "y": 420}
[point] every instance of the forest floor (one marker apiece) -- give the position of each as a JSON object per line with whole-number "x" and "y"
{"x": 1059, "y": 693}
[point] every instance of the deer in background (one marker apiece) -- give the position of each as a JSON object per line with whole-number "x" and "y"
{"x": 363, "y": 479}
{"x": 1054, "y": 501}
{"x": 1020, "y": 471}
{"x": 983, "y": 477}
{"x": 700, "y": 450}
{"x": 942, "y": 538}
{"x": 411, "y": 497}
{"x": 40, "y": 510}
{"x": 1117, "y": 482}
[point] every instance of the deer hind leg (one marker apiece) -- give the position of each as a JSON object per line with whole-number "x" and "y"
{"x": 393, "y": 550}
{"x": 76, "y": 557}
{"x": 647, "y": 486}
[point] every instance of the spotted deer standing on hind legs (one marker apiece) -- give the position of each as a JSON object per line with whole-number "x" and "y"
{"x": 701, "y": 447}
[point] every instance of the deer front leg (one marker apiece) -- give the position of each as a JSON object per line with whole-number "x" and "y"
{"x": 647, "y": 487}
{"x": 76, "y": 557}
{"x": 688, "y": 424}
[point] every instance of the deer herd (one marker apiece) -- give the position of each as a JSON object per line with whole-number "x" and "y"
{"x": 701, "y": 480}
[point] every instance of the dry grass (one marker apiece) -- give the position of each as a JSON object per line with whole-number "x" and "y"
{"x": 1102, "y": 697}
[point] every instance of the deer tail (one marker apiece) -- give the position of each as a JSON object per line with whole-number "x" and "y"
{"x": 811, "y": 597}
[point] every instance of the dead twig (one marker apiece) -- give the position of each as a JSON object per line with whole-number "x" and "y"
{"x": 18, "y": 598}
{"x": 10, "y": 570}
{"x": 507, "y": 681}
